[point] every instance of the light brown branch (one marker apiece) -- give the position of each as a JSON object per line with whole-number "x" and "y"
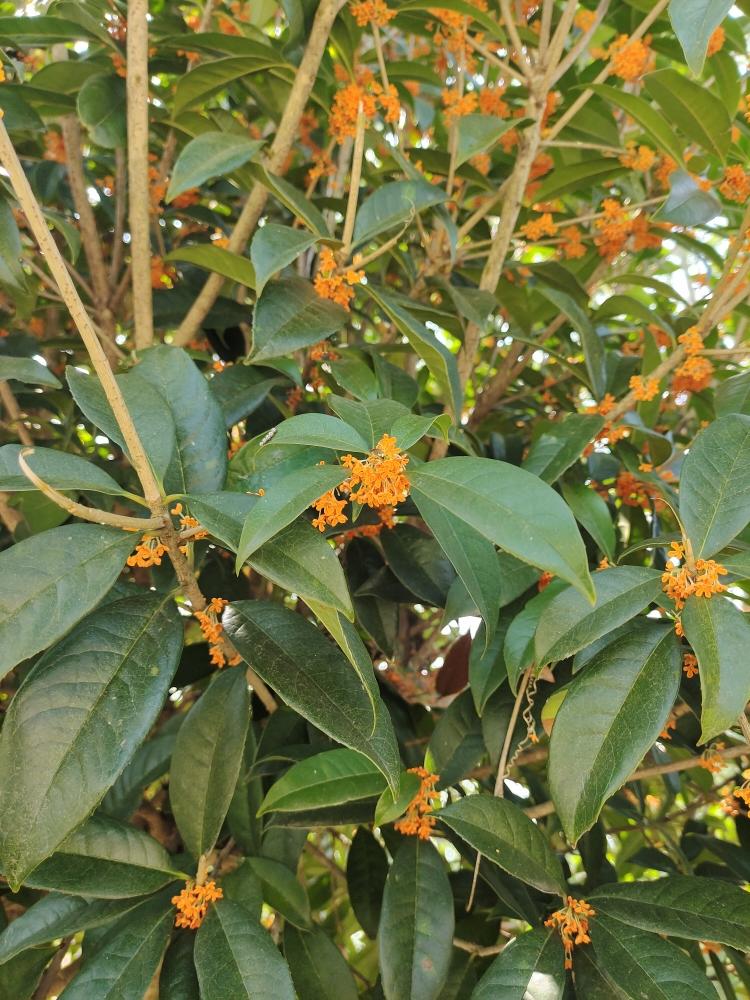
{"x": 14, "y": 414}
{"x": 140, "y": 204}
{"x": 354, "y": 179}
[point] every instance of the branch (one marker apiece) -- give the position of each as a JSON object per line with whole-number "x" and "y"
{"x": 141, "y": 524}
{"x": 14, "y": 413}
{"x": 354, "y": 179}
{"x": 280, "y": 148}
{"x": 140, "y": 204}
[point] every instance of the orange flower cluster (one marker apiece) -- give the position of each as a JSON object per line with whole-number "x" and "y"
{"x": 716, "y": 41}
{"x": 419, "y": 819}
{"x": 630, "y": 59}
{"x": 192, "y": 904}
{"x": 386, "y": 520}
{"x": 695, "y": 372}
{"x": 322, "y": 166}
{"x": 584, "y": 19}
{"x": 162, "y": 275}
{"x": 541, "y": 226}
{"x": 331, "y": 285}
{"x": 679, "y": 582}
{"x": 491, "y": 102}
{"x": 690, "y": 665}
{"x": 213, "y": 630}
{"x": 711, "y": 759}
{"x": 187, "y": 522}
{"x": 148, "y": 552}
{"x": 366, "y": 94}
{"x": 614, "y": 228}
{"x": 572, "y": 246}
{"x": 742, "y": 792}
{"x": 644, "y": 389}
{"x": 665, "y": 168}
{"x": 632, "y": 491}
{"x": 323, "y": 352}
{"x": 572, "y": 921}
{"x": 457, "y": 105}
{"x": 54, "y": 147}
{"x": 736, "y": 184}
{"x": 185, "y": 200}
{"x": 378, "y": 482}
{"x": 372, "y": 12}
{"x": 638, "y": 157}
{"x": 452, "y": 36}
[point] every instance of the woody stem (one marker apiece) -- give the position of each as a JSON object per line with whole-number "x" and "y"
{"x": 355, "y": 177}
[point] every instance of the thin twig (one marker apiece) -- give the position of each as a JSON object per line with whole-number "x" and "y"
{"x": 354, "y": 179}
{"x": 14, "y": 413}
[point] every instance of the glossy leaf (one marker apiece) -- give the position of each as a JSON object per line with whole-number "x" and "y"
{"x": 57, "y": 468}
{"x": 530, "y": 966}
{"x": 178, "y": 979}
{"x": 715, "y": 484}
{"x": 694, "y": 22}
{"x": 77, "y": 720}
{"x": 692, "y": 108}
{"x": 281, "y": 890}
{"x": 560, "y": 445}
{"x": 207, "y": 758}
{"x": 487, "y": 669}
{"x": 290, "y": 315}
{"x": 477, "y": 133}
{"x": 26, "y": 370}
{"x": 217, "y": 259}
{"x": 50, "y": 581}
{"x": 591, "y": 512}
{"x": 101, "y": 108}
{"x": 210, "y": 77}
{"x": 719, "y": 634}
{"x": 318, "y": 968}
{"x": 318, "y": 430}
{"x": 504, "y": 835}
{"x": 314, "y": 678}
{"x": 235, "y": 957}
{"x": 613, "y": 712}
{"x": 570, "y": 623}
{"x": 273, "y": 248}
{"x": 212, "y": 154}
{"x": 366, "y": 872}
{"x": 416, "y": 924}
{"x": 511, "y": 508}
{"x": 418, "y": 562}
{"x": 326, "y": 779}
{"x": 391, "y": 205}
{"x": 657, "y": 127}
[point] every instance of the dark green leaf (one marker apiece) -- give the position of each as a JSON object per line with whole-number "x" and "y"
{"x": 212, "y": 76}
{"x": 693, "y": 22}
{"x": 511, "y": 508}
{"x": 212, "y": 154}
{"x": 391, "y": 205}
{"x": 49, "y": 581}
{"x": 578, "y": 177}
{"x": 418, "y": 562}
{"x": 101, "y": 108}
{"x": 371, "y": 418}
{"x": 504, "y": 835}
{"x": 318, "y": 430}
{"x": 314, "y": 678}
{"x": 569, "y": 622}
{"x": 416, "y": 924}
{"x": 326, "y": 779}
{"x": 366, "y": 872}
{"x": 715, "y": 484}
{"x": 560, "y": 445}
{"x": 531, "y": 963}
{"x": 235, "y": 957}
{"x": 476, "y": 133}
{"x": 719, "y": 634}
{"x": 290, "y": 315}
{"x": 319, "y": 971}
{"x": 650, "y": 120}
{"x": 25, "y": 370}
{"x": 613, "y": 712}
{"x": 178, "y": 979}
{"x": 732, "y": 396}
{"x": 281, "y": 890}
{"x": 207, "y": 758}
{"x": 272, "y": 248}
{"x": 217, "y": 259}
{"x": 592, "y": 512}
{"x": 692, "y": 108}
{"x": 104, "y": 686}
{"x": 486, "y": 665}
{"x": 57, "y": 469}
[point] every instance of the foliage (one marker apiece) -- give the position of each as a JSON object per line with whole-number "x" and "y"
{"x": 374, "y": 499}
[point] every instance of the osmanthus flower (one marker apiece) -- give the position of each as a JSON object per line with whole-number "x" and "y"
{"x": 420, "y": 819}
{"x": 716, "y": 41}
{"x": 638, "y": 157}
{"x": 372, "y": 12}
{"x": 364, "y": 94}
{"x": 584, "y": 19}
{"x": 332, "y": 284}
{"x": 631, "y": 491}
{"x": 630, "y": 58}
{"x": 572, "y": 922}
{"x": 699, "y": 580}
{"x": 192, "y": 904}
{"x": 213, "y": 632}
{"x": 735, "y": 185}
{"x": 572, "y": 246}
{"x": 457, "y": 105}
{"x": 695, "y": 372}
{"x": 690, "y": 665}
{"x": 644, "y": 389}
{"x": 543, "y": 225}
{"x": 148, "y": 552}
{"x": 711, "y": 760}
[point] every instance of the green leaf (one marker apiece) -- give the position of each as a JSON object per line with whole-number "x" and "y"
{"x": 592, "y": 512}
{"x": 366, "y": 872}
{"x": 645, "y": 965}
{"x": 348, "y": 640}
{"x": 56, "y": 468}
{"x": 149, "y": 762}
{"x": 578, "y": 177}
{"x": 55, "y": 916}
{"x": 235, "y": 957}
{"x": 504, "y": 834}
{"x": 209, "y": 77}
{"x": 104, "y": 686}
{"x": 211, "y": 154}
{"x": 314, "y": 679}
{"x": 207, "y": 758}
{"x": 43, "y": 30}
{"x": 476, "y": 133}
{"x": 391, "y": 205}
{"x": 371, "y": 418}
{"x": 240, "y": 390}
{"x": 613, "y": 712}
{"x": 325, "y": 779}
{"x": 151, "y": 415}
{"x": 408, "y": 429}
{"x": 108, "y": 860}
{"x": 101, "y": 108}
{"x": 683, "y": 906}
{"x": 641, "y": 111}
{"x": 692, "y": 108}
{"x": 531, "y": 962}
{"x": 285, "y": 501}
{"x": 439, "y": 360}
{"x": 518, "y": 649}
{"x": 513, "y": 509}
{"x": 715, "y": 484}
{"x": 487, "y": 669}
{"x": 12, "y": 275}
{"x": 281, "y": 890}
{"x": 200, "y": 461}
{"x": 123, "y": 967}
{"x": 560, "y": 445}
{"x": 593, "y": 352}
{"x": 418, "y": 562}
{"x": 293, "y": 199}
{"x": 732, "y": 396}
{"x": 25, "y": 370}
{"x": 273, "y": 247}
{"x": 290, "y": 315}
{"x": 472, "y": 555}
{"x": 693, "y": 22}
{"x": 719, "y": 634}
{"x": 50, "y": 581}
{"x": 569, "y": 622}
{"x": 354, "y": 375}
{"x": 318, "y": 968}
{"x": 415, "y": 937}
{"x": 688, "y": 204}
{"x": 217, "y": 259}
{"x": 178, "y": 979}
